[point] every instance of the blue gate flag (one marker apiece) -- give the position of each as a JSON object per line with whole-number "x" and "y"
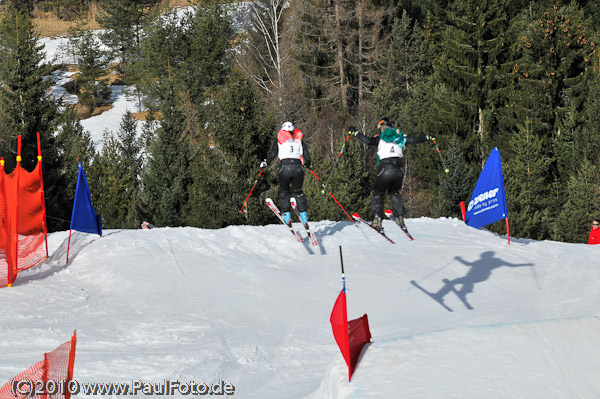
{"x": 84, "y": 217}
{"x": 488, "y": 202}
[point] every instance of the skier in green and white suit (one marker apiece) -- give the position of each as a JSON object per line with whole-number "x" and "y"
{"x": 390, "y": 142}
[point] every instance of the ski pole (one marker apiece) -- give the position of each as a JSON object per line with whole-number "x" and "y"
{"x": 433, "y": 272}
{"x": 254, "y": 185}
{"x": 336, "y": 162}
{"x": 446, "y": 170}
{"x": 336, "y": 201}
{"x": 343, "y": 276}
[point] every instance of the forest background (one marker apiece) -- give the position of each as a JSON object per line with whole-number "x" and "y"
{"x": 219, "y": 79}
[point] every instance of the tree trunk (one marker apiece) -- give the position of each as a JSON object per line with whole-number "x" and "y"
{"x": 340, "y": 55}
{"x": 360, "y": 53}
{"x": 480, "y": 133}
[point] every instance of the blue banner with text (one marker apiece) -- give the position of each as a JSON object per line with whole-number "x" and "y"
{"x": 488, "y": 202}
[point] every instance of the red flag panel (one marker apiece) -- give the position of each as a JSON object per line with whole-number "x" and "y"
{"x": 359, "y": 336}
{"x": 351, "y": 336}
{"x": 339, "y": 324}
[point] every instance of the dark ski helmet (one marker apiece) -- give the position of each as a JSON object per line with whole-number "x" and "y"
{"x": 384, "y": 122}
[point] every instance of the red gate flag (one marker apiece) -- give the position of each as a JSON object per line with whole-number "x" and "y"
{"x": 57, "y": 367}
{"x": 339, "y": 324}
{"x": 351, "y": 335}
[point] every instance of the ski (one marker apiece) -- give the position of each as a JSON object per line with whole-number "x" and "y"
{"x": 357, "y": 217}
{"x": 275, "y": 210}
{"x": 391, "y": 216}
{"x": 434, "y": 297}
{"x": 313, "y": 239}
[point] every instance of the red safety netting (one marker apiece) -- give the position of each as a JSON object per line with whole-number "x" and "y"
{"x": 56, "y": 367}
{"x": 23, "y": 220}
{"x": 33, "y": 373}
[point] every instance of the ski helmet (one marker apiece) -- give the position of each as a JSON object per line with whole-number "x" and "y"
{"x": 288, "y": 126}
{"x": 384, "y": 122}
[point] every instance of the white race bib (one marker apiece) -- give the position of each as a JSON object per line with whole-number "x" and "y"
{"x": 388, "y": 150}
{"x": 290, "y": 149}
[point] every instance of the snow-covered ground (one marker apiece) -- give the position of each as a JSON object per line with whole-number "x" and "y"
{"x": 250, "y": 306}
{"x": 110, "y": 120}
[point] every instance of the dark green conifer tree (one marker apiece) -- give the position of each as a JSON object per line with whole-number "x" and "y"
{"x": 163, "y": 50}
{"x": 78, "y": 147}
{"x": 228, "y": 157}
{"x": 406, "y": 68}
{"x": 564, "y": 45}
{"x": 122, "y": 23}
{"x": 407, "y": 64}
{"x": 471, "y": 72}
{"x": 583, "y": 191}
{"x": 130, "y": 147}
{"x": 551, "y": 88}
{"x": 316, "y": 51}
{"x": 590, "y": 131}
{"x": 527, "y": 185}
{"x": 190, "y": 48}
{"x": 113, "y": 176}
{"x": 457, "y": 185}
{"x": 108, "y": 185}
{"x": 92, "y": 61}
{"x": 26, "y": 108}
{"x": 320, "y": 205}
{"x": 352, "y": 181}
{"x": 557, "y": 47}
{"x": 165, "y": 178}
{"x": 208, "y": 58}
{"x": 208, "y": 191}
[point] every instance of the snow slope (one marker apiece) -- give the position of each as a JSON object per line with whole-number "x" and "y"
{"x": 251, "y": 306}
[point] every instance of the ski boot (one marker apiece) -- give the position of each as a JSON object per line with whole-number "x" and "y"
{"x": 287, "y": 218}
{"x": 377, "y": 223}
{"x": 304, "y": 218}
{"x": 400, "y": 222}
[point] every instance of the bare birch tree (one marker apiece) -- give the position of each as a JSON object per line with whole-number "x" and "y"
{"x": 263, "y": 57}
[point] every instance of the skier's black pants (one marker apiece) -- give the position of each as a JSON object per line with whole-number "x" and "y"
{"x": 389, "y": 179}
{"x": 291, "y": 175}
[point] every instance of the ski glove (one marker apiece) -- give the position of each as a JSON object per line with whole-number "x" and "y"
{"x": 353, "y": 130}
{"x": 430, "y": 138}
{"x": 263, "y": 164}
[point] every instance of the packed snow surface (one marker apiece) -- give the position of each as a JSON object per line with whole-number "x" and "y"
{"x": 250, "y": 306}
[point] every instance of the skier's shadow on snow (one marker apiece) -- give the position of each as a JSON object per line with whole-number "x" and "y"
{"x": 479, "y": 271}
{"x": 320, "y": 233}
{"x": 334, "y": 228}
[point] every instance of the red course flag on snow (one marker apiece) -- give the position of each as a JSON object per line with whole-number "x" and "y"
{"x": 339, "y": 323}
{"x": 351, "y": 335}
